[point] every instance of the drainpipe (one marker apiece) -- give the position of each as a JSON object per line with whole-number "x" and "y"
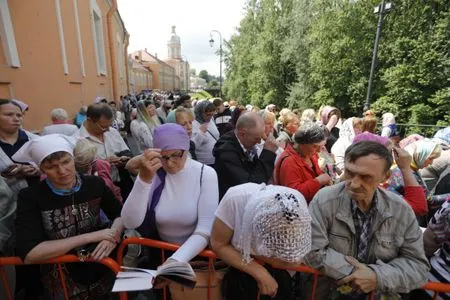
{"x": 112, "y": 49}
{"x": 125, "y": 53}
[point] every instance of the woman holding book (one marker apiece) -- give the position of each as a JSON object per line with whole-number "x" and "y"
{"x": 174, "y": 197}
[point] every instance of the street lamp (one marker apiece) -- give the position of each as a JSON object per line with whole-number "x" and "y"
{"x": 211, "y": 43}
{"x": 381, "y": 9}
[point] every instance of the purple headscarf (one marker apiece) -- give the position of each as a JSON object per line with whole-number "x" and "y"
{"x": 171, "y": 137}
{"x": 410, "y": 139}
{"x": 367, "y": 136}
{"x": 326, "y": 111}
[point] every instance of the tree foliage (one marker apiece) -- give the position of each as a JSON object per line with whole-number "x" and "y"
{"x": 204, "y": 74}
{"x": 306, "y": 53}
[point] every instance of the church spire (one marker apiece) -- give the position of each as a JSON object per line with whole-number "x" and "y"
{"x": 174, "y": 45}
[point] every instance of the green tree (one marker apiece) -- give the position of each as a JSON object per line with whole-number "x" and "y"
{"x": 204, "y": 74}
{"x": 213, "y": 83}
{"x": 306, "y": 53}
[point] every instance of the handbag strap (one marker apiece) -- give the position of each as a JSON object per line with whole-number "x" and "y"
{"x": 212, "y": 135}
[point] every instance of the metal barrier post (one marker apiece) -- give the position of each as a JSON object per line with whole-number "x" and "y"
{"x": 6, "y": 283}
{"x": 108, "y": 262}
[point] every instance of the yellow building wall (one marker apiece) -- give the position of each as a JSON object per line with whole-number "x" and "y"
{"x": 40, "y": 80}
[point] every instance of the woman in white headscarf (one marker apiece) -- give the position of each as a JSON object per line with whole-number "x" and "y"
{"x": 269, "y": 223}
{"x": 61, "y": 215}
{"x": 204, "y": 132}
{"x": 143, "y": 127}
{"x": 350, "y": 128}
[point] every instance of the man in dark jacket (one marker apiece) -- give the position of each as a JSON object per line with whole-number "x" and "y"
{"x": 237, "y": 159}
{"x": 223, "y": 117}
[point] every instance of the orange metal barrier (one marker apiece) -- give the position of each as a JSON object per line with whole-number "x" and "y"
{"x": 170, "y": 247}
{"x": 437, "y": 287}
{"x": 108, "y": 262}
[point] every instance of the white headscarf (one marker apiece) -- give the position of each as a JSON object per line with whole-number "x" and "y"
{"x": 388, "y": 119}
{"x": 36, "y": 150}
{"x": 276, "y": 224}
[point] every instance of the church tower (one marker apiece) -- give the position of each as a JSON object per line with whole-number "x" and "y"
{"x": 174, "y": 46}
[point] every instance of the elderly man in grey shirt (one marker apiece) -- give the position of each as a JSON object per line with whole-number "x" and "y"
{"x": 365, "y": 238}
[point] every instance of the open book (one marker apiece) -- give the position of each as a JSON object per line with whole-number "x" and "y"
{"x": 135, "y": 279}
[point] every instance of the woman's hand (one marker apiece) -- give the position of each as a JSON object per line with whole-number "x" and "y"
{"x": 149, "y": 163}
{"x": 108, "y": 234}
{"x": 267, "y": 284}
{"x": 324, "y": 179}
{"x": 402, "y": 158}
{"x": 103, "y": 249}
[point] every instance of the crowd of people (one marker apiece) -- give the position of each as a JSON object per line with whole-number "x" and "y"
{"x": 266, "y": 190}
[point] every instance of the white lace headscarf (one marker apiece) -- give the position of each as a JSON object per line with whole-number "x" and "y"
{"x": 276, "y": 224}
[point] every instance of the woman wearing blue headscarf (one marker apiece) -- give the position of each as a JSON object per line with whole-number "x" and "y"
{"x": 422, "y": 152}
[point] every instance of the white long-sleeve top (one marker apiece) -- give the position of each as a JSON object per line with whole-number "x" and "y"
{"x": 185, "y": 212}
{"x": 143, "y": 135}
{"x": 204, "y": 142}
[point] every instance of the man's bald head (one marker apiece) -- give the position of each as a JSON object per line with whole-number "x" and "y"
{"x": 248, "y": 120}
{"x": 250, "y": 129}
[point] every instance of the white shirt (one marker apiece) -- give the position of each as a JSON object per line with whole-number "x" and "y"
{"x": 112, "y": 145}
{"x": 231, "y": 209}
{"x": 204, "y": 142}
{"x": 183, "y": 210}
{"x": 66, "y": 129}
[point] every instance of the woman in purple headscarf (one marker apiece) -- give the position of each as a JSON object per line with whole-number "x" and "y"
{"x": 174, "y": 197}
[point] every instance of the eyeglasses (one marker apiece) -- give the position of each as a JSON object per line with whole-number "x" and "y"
{"x": 103, "y": 129}
{"x": 174, "y": 157}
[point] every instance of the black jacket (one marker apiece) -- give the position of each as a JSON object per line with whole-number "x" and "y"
{"x": 222, "y": 121}
{"x": 233, "y": 166}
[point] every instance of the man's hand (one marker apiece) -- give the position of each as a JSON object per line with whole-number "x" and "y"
{"x": 363, "y": 278}
{"x": 114, "y": 160}
{"x": 271, "y": 144}
{"x": 402, "y": 158}
{"x": 150, "y": 162}
{"x": 266, "y": 284}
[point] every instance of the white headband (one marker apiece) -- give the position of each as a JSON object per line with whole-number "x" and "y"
{"x": 36, "y": 150}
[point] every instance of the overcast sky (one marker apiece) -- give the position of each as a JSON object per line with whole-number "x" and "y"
{"x": 149, "y": 24}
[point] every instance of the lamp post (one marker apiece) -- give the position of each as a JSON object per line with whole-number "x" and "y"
{"x": 381, "y": 9}
{"x": 211, "y": 43}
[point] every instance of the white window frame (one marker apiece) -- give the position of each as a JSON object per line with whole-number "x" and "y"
{"x": 7, "y": 36}
{"x": 61, "y": 37}
{"x": 79, "y": 41}
{"x": 99, "y": 41}
{"x": 120, "y": 58}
